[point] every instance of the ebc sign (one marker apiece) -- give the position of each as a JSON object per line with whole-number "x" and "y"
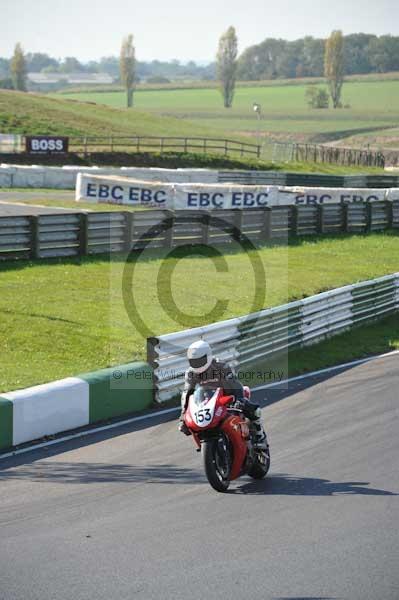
{"x": 46, "y": 144}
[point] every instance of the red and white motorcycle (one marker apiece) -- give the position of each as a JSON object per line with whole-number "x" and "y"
{"x": 225, "y": 437}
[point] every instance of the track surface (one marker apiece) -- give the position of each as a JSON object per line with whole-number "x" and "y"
{"x": 128, "y": 514}
{"x": 9, "y": 202}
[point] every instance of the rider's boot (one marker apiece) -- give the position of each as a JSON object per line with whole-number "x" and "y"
{"x": 254, "y": 413}
{"x": 261, "y": 437}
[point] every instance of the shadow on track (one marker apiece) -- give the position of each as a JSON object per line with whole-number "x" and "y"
{"x": 291, "y": 485}
{"x": 85, "y": 473}
{"x": 305, "y": 598}
{"x": 276, "y": 485}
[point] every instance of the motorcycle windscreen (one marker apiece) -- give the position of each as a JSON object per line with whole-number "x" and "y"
{"x": 203, "y": 394}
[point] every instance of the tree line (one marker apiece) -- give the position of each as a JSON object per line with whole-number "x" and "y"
{"x": 39, "y": 62}
{"x": 271, "y": 59}
{"x": 277, "y": 58}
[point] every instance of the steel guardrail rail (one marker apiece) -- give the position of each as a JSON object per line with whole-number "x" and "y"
{"x": 266, "y": 334}
{"x": 81, "y": 234}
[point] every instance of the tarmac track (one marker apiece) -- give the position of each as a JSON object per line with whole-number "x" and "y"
{"x": 11, "y": 202}
{"x": 128, "y": 513}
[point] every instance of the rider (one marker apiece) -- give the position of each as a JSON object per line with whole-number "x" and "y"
{"x": 206, "y": 370}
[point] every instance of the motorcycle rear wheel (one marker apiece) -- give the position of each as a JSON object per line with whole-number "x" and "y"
{"x": 217, "y": 466}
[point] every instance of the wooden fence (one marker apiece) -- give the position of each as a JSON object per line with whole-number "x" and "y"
{"x": 80, "y": 234}
{"x": 89, "y": 145}
{"x": 319, "y": 153}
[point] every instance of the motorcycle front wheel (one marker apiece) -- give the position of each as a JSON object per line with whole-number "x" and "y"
{"x": 217, "y": 463}
{"x": 261, "y": 465}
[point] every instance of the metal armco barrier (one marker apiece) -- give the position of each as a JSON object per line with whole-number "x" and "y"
{"x": 271, "y": 332}
{"x": 81, "y": 234}
{"x": 308, "y": 179}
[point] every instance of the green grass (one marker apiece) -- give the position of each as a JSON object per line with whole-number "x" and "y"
{"x": 60, "y": 318}
{"x": 74, "y": 206}
{"x": 374, "y": 104}
{"x": 39, "y": 114}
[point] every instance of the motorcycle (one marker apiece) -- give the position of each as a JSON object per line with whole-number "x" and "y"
{"x": 225, "y": 437}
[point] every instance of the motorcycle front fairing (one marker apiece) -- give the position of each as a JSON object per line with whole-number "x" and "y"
{"x": 206, "y": 409}
{"x": 207, "y": 415}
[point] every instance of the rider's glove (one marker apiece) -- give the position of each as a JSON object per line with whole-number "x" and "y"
{"x": 238, "y": 404}
{"x": 183, "y": 428}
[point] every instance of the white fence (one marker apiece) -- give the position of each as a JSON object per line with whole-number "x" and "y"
{"x": 36, "y": 176}
{"x": 271, "y": 332}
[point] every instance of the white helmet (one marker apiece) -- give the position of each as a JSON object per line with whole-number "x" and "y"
{"x": 199, "y": 356}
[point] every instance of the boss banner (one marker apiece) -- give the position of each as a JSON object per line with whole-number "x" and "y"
{"x": 43, "y": 144}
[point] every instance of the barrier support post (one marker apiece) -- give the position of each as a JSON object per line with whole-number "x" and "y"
{"x": 84, "y": 234}
{"x": 170, "y": 225}
{"x": 369, "y": 216}
{"x": 152, "y": 356}
{"x": 266, "y": 234}
{"x": 34, "y": 236}
{"x": 320, "y": 219}
{"x": 345, "y": 218}
{"x": 389, "y": 206}
{"x": 205, "y": 228}
{"x": 237, "y": 225}
{"x": 129, "y": 220}
{"x": 294, "y": 220}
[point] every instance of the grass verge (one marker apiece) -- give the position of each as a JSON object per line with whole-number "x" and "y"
{"x": 59, "y": 318}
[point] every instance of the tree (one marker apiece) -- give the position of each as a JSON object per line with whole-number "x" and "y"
{"x": 18, "y": 69}
{"x": 317, "y": 97}
{"x": 227, "y": 65}
{"x": 127, "y": 67}
{"x": 384, "y": 53}
{"x": 37, "y": 61}
{"x": 334, "y": 66}
{"x": 70, "y": 64}
{"x": 4, "y": 68}
{"x": 6, "y": 84}
{"x": 357, "y": 55}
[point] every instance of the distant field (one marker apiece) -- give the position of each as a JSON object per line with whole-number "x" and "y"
{"x": 373, "y": 105}
{"x": 211, "y": 84}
